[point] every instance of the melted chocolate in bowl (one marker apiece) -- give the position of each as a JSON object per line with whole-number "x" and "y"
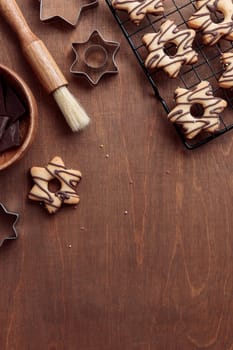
{"x": 27, "y": 124}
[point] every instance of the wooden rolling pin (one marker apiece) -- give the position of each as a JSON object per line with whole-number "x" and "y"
{"x": 44, "y": 66}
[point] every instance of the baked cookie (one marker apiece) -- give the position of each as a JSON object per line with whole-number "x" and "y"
{"x": 202, "y": 95}
{"x": 137, "y": 9}
{"x": 226, "y": 79}
{"x": 202, "y": 20}
{"x": 68, "y": 179}
{"x": 156, "y": 42}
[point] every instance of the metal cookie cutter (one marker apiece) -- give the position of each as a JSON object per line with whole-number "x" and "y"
{"x": 14, "y": 234}
{"x": 60, "y": 10}
{"x": 94, "y": 58}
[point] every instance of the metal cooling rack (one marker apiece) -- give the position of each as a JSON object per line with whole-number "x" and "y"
{"x": 208, "y": 66}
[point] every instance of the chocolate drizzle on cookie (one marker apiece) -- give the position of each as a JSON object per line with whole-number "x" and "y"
{"x": 68, "y": 178}
{"x": 138, "y": 9}
{"x": 202, "y": 20}
{"x": 226, "y": 80}
{"x": 45, "y": 195}
{"x": 157, "y": 57}
{"x": 212, "y": 107}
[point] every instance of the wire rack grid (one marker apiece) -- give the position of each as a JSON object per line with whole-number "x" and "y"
{"x": 208, "y": 66}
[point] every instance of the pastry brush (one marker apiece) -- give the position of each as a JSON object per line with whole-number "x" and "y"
{"x": 44, "y": 66}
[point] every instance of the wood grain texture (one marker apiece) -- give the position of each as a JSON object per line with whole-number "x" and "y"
{"x": 157, "y": 278}
{"x": 34, "y": 49}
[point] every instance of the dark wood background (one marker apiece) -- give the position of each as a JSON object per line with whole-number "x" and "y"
{"x": 157, "y": 278}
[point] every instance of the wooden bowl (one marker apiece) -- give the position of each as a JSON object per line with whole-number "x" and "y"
{"x": 28, "y": 124}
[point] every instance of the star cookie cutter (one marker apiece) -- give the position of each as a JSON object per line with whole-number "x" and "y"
{"x": 14, "y": 234}
{"x": 94, "y": 58}
{"x": 60, "y": 10}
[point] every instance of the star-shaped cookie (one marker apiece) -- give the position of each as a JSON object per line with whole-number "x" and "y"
{"x": 94, "y": 58}
{"x": 202, "y": 20}
{"x": 156, "y": 42}
{"x": 226, "y": 79}
{"x": 202, "y": 95}
{"x": 137, "y": 9}
{"x": 68, "y": 179}
{"x": 67, "y": 10}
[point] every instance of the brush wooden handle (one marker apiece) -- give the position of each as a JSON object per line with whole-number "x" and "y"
{"x": 34, "y": 49}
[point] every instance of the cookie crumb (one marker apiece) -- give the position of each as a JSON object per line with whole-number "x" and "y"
{"x": 126, "y": 212}
{"x": 107, "y": 155}
{"x": 101, "y": 146}
{"x": 69, "y": 246}
{"x": 82, "y": 228}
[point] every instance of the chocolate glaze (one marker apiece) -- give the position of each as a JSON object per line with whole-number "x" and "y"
{"x": 202, "y": 94}
{"x": 139, "y": 9}
{"x": 156, "y": 42}
{"x": 61, "y": 173}
{"x": 226, "y": 80}
{"x": 201, "y": 20}
{"x": 66, "y": 176}
{"x": 47, "y": 195}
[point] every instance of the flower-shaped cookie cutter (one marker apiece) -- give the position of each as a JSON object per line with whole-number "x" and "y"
{"x": 60, "y": 10}
{"x": 94, "y": 58}
{"x": 15, "y": 216}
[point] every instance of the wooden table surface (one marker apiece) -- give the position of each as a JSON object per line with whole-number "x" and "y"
{"x": 145, "y": 261}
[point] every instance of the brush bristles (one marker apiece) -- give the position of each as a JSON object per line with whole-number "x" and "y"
{"x": 73, "y": 112}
